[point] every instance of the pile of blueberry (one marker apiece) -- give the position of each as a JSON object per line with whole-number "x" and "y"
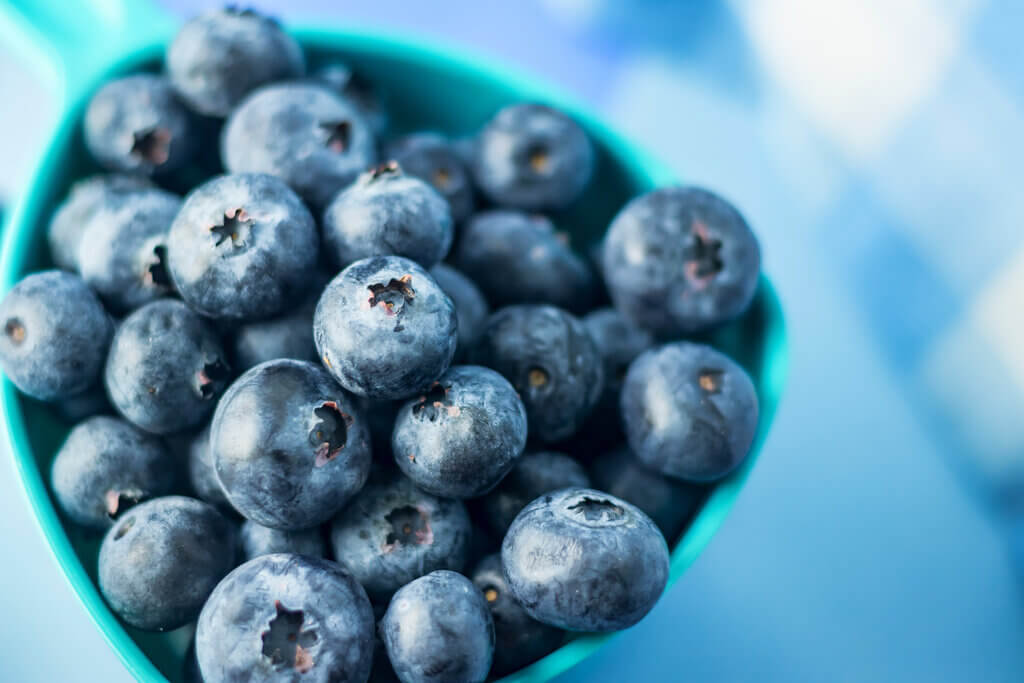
{"x": 354, "y": 404}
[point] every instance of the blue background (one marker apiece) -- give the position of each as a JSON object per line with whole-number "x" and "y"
{"x": 877, "y": 147}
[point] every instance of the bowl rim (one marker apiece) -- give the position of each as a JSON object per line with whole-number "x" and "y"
{"x": 15, "y": 246}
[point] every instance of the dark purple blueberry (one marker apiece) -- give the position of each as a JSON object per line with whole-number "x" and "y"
{"x": 262, "y": 540}
{"x": 430, "y": 157}
{"x": 201, "y": 474}
{"x": 471, "y": 307}
{"x": 534, "y": 474}
{"x": 618, "y": 341}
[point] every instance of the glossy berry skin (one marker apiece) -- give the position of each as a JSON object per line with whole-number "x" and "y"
{"x": 438, "y": 628}
{"x": 221, "y": 55}
{"x": 123, "y": 251}
{"x": 689, "y": 411}
{"x": 136, "y": 124}
{"x": 160, "y": 561}
{"x": 286, "y": 618}
{"x": 471, "y": 309}
{"x": 461, "y": 437}
{"x": 532, "y": 157}
{"x": 518, "y": 258}
{"x": 72, "y": 217}
{"x": 519, "y": 639}
{"x": 289, "y": 446}
{"x": 430, "y": 157}
{"x": 105, "y": 466}
{"x": 583, "y": 560}
{"x": 679, "y": 260}
{"x": 618, "y": 340}
{"x": 550, "y": 359}
{"x": 385, "y": 212}
{"x": 533, "y": 475}
{"x": 393, "y": 532}
{"x": 166, "y": 368}
{"x": 360, "y": 92}
{"x": 262, "y": 540}
{"x": 384, "y": 328}
{"x": 55, "y": 335}
{"x": 242, "y": 247}
{"x": 303, "y": 133}
{"x": 201, "y": 474}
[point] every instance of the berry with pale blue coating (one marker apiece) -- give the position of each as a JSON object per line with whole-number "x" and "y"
{"x": 201, "y": 474}
{"x": 285, "y": 617}
{"x": 289, "y": 446}
{"x": 471, "y": 307}
{"x": 461, "y": 437}
{"x": 438, "y": 628}
{"x": 55, "y": 335}
{"x": 160, "y": 562}
{"x": 583, "y": 560}
{"x": 534, "y": 474}
{"x": 384, "y": 329}
{"x": 689, "y": 411}
{"x": 262, "y": 540}
{"x": 432, "y": 158}
{"x": 618, "y": 340}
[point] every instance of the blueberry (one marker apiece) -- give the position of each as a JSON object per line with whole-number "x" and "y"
{"x": 72, "y": 217}
{"x": 384, "y": 212}
{"x": 283, "y": 618}
{"x": 463, "y": 435}
{"x": 165, "y": 368}
{"x": 550, "y": 359}
{"x": 532, "y": 157}
{"x": 221, "y": 55}
{"x": 689, "y": 411}
{"x": 519, "y": 639}
{"x": 357, "y": 90}
{"x": 471, "y": 308}
{"x": 77, "y": 407}
{"x": 618, "y": 341}
{"x": 242, "y": 247}
{"x": 201, "y": 474}
{"x": 583, "y": 560}
{"x": 384, "y": 328}
{"x": 679, "y": 260}
{"x": 137, "y": 124}
{"x": 262, "y": 540}
{"x": 305, "y": 134}
{"x": 159, "y": 562}
{"x": 393, "y": 532}
{"x": 289, "y": 446}
{"x": 517, "y": 258}
{"x": 55, "y": 335}
{"x": 105, "y": 467}
{"x": 286, "y": 336}
{"x": 430, "y": 157}
{"x": 438, "y": 628}
{"x": 533, "y": 475}
{"x": 123, "y": 251}
{"x": 668, "y": 502}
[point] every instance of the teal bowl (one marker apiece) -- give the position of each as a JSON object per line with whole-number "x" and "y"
{"x": 75, "y": 44}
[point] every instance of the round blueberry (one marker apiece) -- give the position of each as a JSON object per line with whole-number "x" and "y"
{"x": 160, "y": 561}
{"x": 55, "y": 335}
{"x": 201, "y": 474}
{"x": 242, "y": 247}
{"x": 550, "y": 359}
{"x": 221, "y": 55}
{"x": 384, "y": 328}
{"x": 289, "y": 447}
{"x": 471, "y": 308}
{"x": 461, "y": 437}
{"x": 393, "y": 532}
{"x": 165, "y": 368}
{"x": 618, "y": 341}
{"x": 668, "y": 502}
{"x": 123, "y": 251}
{"x": 357, "y": 90}
{"x": 105, "y": 467}
{"x": 533, "y": 475}
{"x": 137, "y": 124}
{"x": 583, "y": 560}
{"x": 689, "y": 411}
{"x": 430, "y": 157}
{"x": 87, "y": 198}
{"x": 77, "y": 407}
{"x": 262, "y": 540}
{"x": 679, "y": 260}
{"x": 532, "y": 157}
{"x": 517, "y": 258}
{"x": 286, "y": 617}
{"x": 518, "y": 638}
{"x": 286, "y": 336}
{"x": 384, "y": 212}
{"x": 438, "y": 628}
{"x": 305, "y": 134}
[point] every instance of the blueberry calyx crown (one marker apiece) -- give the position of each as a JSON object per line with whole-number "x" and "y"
{"x": 152, "y": 145}
{"x": 337, "y": 135}
{"x": 15, "y": 331}
{"x": 285, "y": 644}
{"x": 435, "y": 403}
{"x": 539, "y": 158}
{"x": 212, "y": 373}
{"x": 119, "y": 501}
{"x": 329, "y": 433}
{"x": 596, "y": 509}
{"x": 409, "y": 526}
{"x": 388, "y": 168}
{"x": 235, "y": 227}
{"x": 703, "y": 254}
{"x": 155, "y": 274}
{"x": 393, "y": 297}
{"x": 710, "y": 380}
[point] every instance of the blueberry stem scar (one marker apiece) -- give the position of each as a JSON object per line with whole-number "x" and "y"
{"x": 284, "y": 641}
{"x": 329, "y": 433}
